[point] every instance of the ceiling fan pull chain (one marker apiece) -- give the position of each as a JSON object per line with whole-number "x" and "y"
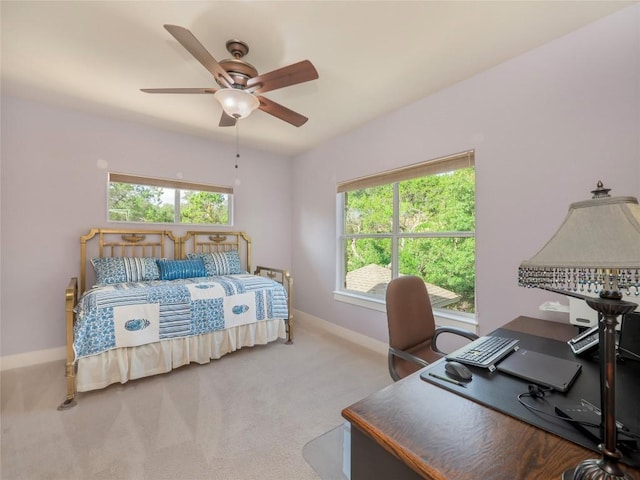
{"x": 237, "y": 142}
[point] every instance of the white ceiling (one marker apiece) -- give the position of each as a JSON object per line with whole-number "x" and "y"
{"x": 372, "y": 56}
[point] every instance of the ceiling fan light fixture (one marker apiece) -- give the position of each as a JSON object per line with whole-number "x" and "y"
{"x": 241, "y": 85}
{"x": 236, "y": 103}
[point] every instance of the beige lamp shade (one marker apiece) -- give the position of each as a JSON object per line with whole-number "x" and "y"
{"x": 597, "y": 247}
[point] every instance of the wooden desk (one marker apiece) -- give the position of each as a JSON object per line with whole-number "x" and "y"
{"x": 413, "y": 429}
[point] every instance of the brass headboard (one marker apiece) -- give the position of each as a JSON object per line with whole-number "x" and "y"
{"x": 210, "y": 241}
{"x": 123, "y": 243}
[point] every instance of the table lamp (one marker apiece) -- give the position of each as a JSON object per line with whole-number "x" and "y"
{"x": 596, "y": 251}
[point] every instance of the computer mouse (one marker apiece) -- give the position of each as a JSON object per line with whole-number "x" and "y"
{"x": 458, "y": 371}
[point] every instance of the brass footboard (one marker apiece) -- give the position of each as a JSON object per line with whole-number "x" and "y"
{"x": 70, "y": 300}
{"x": 283, "y": 277}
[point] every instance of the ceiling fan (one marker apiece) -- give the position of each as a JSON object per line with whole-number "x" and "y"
{"x": 240, "y": 83}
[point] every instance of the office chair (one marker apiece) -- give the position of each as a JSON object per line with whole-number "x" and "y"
{"x": 412, "y": 328}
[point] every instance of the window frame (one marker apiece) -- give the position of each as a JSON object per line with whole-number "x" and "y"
{"x": 431, "y": 167}
{"x": 178, "y": 186}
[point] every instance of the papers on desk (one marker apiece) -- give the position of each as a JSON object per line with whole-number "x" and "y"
{"x": 554, "y": 307}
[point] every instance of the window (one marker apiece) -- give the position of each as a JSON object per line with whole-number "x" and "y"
{"x": 418, "y": 220}
{"x": 155, "y": 200}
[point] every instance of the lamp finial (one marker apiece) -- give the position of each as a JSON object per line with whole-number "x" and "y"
{"x": 600, "y": 191}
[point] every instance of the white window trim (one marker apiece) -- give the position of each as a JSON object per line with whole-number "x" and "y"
{"x": 444, "y": 317}
{"x": 449, "y": 318}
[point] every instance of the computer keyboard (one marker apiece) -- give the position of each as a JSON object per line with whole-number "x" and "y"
{"x": 485, "y": 351}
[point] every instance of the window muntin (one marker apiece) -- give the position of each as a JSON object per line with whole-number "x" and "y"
{"x": 153, "y": 200}
{"x": 412, "y": 225}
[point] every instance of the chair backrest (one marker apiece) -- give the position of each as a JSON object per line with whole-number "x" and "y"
{"x": 409, "y": 312}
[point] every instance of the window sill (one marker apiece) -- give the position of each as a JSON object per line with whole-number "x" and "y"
{"x": 448, "y": 318}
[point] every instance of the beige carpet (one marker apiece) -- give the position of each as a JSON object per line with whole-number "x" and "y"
{"x": 245, "y": 416}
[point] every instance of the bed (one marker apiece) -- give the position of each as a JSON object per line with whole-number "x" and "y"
{"x": 147, "y": 302}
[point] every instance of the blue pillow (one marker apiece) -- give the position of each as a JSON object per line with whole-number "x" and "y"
{"x": 220, "y": 263}
{"x": 172, "y": 269}
{"x": 110, "y": 270}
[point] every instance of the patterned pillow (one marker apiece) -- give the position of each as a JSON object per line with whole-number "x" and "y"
{"x": 172, "y": 269}
{"x": 220, "y": 263}
{"x": 110, "y": 270}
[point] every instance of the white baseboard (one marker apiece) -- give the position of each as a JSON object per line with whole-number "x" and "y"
{"x": 355, "y": 337}
{"x": 9, "y": 362}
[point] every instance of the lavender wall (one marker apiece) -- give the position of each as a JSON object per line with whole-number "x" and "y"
{"x": 54, "y": 184}
{"x": 545, "y": 126}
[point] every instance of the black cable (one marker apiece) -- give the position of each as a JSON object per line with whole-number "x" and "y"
{"x": 552, "y": 415}
{"x": 628, "y": 444}
{"x": 537, "y": 392}
{"x": 629, "y": 352}
{"x": 628, "y": 433}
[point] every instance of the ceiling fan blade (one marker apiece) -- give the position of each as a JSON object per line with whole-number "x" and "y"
{"x": 283, "y": 113}
{"x": 178, "y": 90}
{"x": 195, "y": 48}
{"x": 283, "y": 77}
{"x": 226, "y": 120}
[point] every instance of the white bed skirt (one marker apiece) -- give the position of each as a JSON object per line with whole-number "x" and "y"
{"x": 123, "y": 364}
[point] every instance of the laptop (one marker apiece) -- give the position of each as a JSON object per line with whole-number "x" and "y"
{"x": 541, "y": 369}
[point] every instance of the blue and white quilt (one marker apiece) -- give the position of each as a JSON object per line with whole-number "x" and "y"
{"x": 132, "y": 314}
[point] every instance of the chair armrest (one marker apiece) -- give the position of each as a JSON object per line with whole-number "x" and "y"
{"x": 408, "y": 357}
{"x": 456, "y": 331}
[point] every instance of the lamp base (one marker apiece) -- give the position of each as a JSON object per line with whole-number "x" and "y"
{"x": 593, "y": 469}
